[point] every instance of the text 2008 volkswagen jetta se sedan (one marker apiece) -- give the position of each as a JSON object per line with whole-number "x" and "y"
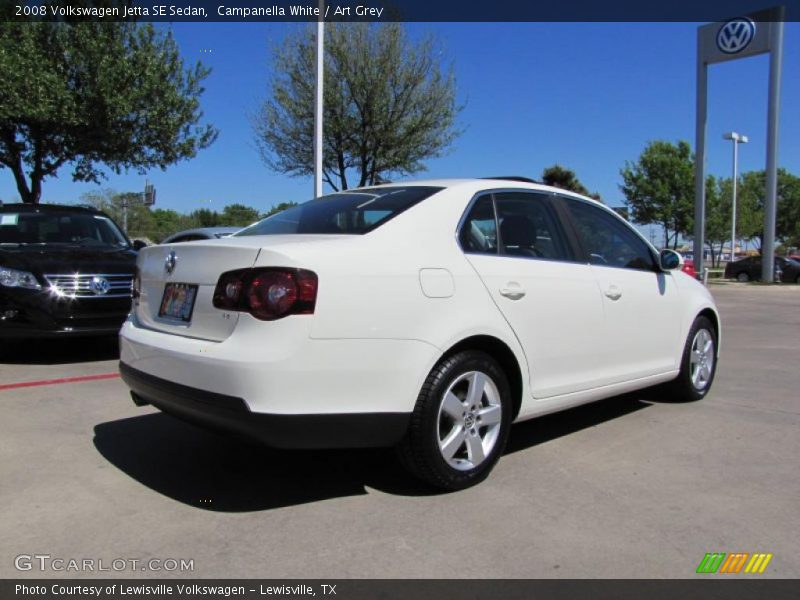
{"x": 426, "y": 315}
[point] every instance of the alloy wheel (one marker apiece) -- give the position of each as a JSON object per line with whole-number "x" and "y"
{"x": 702, "y": 359}
{"x": 470, "y": 415}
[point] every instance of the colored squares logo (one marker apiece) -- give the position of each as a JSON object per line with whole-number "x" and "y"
{"x": 736, "y": 562}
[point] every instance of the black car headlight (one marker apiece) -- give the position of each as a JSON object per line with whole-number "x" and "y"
{"x": 18, "y": 279}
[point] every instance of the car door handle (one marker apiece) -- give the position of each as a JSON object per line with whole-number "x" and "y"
{"x": 613, "y": 293}
{"x": 512, "y": 292}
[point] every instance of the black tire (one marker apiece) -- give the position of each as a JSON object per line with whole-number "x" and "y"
{"x": 797, "y": 280}
{"x": 683, "y": 388}
{"x": 420, "y": 450}
{"x": 743, "y": 276}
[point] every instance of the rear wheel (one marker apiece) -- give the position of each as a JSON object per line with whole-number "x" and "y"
{"x": 743, "y": 277}
{"x": 698, "y": 362}
{"x": 460, "y": 423}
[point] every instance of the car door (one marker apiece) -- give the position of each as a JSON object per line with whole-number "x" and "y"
{"x": 521, "y": 251}
{"x": 642, "y": 319}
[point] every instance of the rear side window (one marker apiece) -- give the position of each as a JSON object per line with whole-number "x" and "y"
{"x": 351, "y": 212}
{"x": 529, "y": 227}
{"x": 479, "y": 232}
{"x": 608, "y": 241}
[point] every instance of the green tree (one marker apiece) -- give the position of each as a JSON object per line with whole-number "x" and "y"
{"x": 168, "y": 221}
{"x": 560, "y": 177}
{"x": 388, "y": 105}
{"x": 279, "y": 208}
{"x": 752, "y": 193}
{"x": 659, "y": 188}
{"x": 140, "y": 220}
{"x": 86, "y": 94}
{"x": 238, "y": 215}
{"x": 205, "y": 217}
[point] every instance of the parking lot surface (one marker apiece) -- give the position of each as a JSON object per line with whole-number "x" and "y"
{"x": 634, "y": 486}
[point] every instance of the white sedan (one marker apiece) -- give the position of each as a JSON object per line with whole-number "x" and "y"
{"x": 427, "y": 316}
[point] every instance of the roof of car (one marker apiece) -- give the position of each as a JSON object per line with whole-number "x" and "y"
{"x": 212, "y": 231}
{"x": 485, "y": 182}
{"x": 33, "y": 208}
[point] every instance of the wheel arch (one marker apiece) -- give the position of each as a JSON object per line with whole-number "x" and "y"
{"x": 504, "y": 355}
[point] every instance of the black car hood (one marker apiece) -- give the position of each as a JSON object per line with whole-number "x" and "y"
{"x": 51, "y": 259}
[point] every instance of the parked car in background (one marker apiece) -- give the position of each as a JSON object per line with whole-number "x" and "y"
{"x": 358, "y": 319}
{"x": 688, "y": 267}
{"x": 201, "y": 233}
{"x": 64, "y": 270}
{"x": 749, "y": 269}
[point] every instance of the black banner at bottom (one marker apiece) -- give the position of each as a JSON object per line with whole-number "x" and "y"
{"x": 407, "y": 589}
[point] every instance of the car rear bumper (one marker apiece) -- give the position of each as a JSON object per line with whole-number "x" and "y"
{"x": 231, "y": 415}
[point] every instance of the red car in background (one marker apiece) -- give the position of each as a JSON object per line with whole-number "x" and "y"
{"x": 688, "y": 268}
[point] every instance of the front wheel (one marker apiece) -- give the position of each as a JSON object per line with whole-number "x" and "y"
{"x": 743, "y": 277}
{"x": 460, "y": 422}
{"x": 698, "y": 362}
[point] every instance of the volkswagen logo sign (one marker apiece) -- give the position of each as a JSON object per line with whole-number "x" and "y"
{"x": 170, "y": 262}
{"x": 99, "y": 286}
{"x": 735, "y": 35}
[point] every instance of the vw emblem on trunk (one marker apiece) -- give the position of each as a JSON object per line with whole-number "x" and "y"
{"x": 735, "y": 35}
{"x": 99, "y": 286}
{"x": 170, "y": 262}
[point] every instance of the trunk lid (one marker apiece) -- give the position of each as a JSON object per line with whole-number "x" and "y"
{"x": 201, "y": 263}
{"x": 194, "y": 264}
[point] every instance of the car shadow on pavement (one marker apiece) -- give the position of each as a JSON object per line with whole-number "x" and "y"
{"x": 225, "y": 474}
{"x": 60, "y": 351}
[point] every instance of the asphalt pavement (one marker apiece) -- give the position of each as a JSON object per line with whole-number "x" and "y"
{"x": 634, "y": 486}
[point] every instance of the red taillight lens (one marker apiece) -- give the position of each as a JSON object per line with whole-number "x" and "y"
{"x": 269, "y": 293}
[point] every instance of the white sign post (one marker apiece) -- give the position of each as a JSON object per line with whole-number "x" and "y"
{"x": 756, "y": 33}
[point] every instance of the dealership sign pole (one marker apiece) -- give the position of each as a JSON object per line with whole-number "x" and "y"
{"x": 756, "y": 33}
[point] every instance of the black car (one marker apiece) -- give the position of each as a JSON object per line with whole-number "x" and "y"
{"x": 749, "y": 269}
{"x": 64, "y": 270}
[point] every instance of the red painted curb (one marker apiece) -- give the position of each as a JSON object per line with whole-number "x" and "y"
{"x": 24, "y": 384}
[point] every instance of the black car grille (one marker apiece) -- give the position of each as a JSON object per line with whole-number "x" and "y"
{"x": 93, "y": 285}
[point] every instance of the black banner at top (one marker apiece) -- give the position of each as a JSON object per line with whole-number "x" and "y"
{"x": 388, "y": 10}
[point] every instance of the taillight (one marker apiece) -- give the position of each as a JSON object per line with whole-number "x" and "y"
{"x": 269, "y": 293}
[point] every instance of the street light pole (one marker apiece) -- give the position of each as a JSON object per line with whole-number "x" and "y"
{"x": 737, "y": 139}
{"x": 318, "y": 107}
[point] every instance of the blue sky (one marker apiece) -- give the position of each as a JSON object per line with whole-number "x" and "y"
{"x": 586, "y": 95}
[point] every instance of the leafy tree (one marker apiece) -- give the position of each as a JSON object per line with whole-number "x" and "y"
{"x": 140, "y": 220}
{"x": 205, "y": 217}
{"x": 388, "y": 105}
{"x": 168, "y": 221}
{"x": 89, "y": 93}
{"x": 238, "y": 215}
{"x": 279, "y": 208}
{"x": 752, "y": 195}
{"x": 558, "y": 176}
{"x": 659, "y": 188}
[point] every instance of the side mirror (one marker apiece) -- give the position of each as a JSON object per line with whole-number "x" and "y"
{"x": 669, "y": 260}
{"x": 138, "y": 245}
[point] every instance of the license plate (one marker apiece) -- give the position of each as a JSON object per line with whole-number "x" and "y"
{"x": 178, "y": 302}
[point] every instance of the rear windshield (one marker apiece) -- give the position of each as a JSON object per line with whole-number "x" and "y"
{"x": 73, "y": 229}
{"x": 350, "y": 212}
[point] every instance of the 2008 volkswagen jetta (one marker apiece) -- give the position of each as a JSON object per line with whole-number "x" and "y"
{"x": 427, "y": 316}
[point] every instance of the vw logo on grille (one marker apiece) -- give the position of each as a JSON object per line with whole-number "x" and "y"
{"x": 99, "y": 286}
{"x": 735, "y": 35}
{"x": 170, "y": 262}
